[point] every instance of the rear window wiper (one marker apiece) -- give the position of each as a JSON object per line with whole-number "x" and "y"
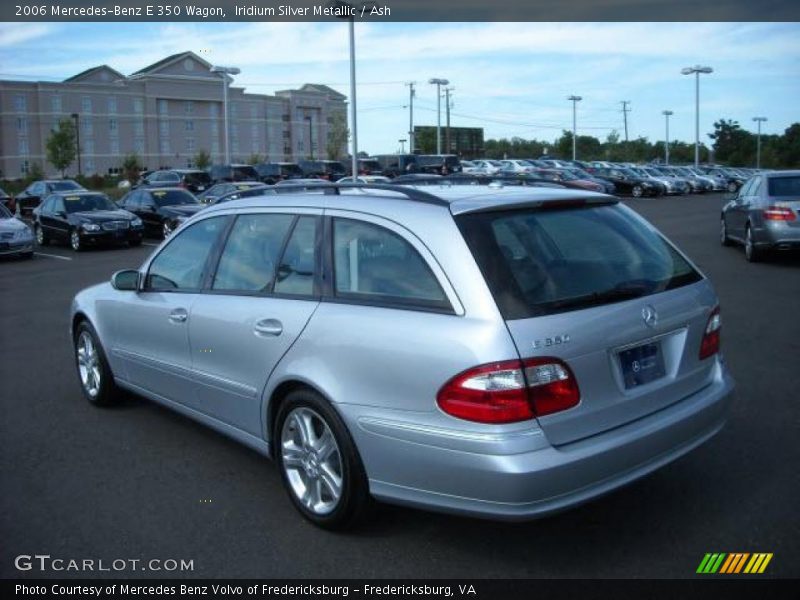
{"x": 624, "y": 291}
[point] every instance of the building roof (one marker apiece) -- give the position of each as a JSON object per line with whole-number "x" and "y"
{"x": 322, "y": 89}
{"x": 88, "y": 72}
{"x": 168, "y": 60}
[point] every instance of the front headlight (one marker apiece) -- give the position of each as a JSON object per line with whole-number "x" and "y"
{"x": 137, "y": 222}
{"x": 23, "y": 234}
{"x": 90, "y": 227}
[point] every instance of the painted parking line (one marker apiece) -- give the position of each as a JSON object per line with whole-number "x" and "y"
{"x": 53, "y": 255}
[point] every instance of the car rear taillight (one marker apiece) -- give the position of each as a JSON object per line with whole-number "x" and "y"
{"x": 510, "y": 391}
{"x": 779, "y": 213}
{"x": 709, "y": 346}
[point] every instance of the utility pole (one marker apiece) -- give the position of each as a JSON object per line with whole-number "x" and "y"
{"x": 411, "y": 95}
{"x": 447, "y": 91}
{"x": 438, "y": 82}
{"x": 574, "y": 100}
{"x": 625, "y": 111}
{"x": 667, "y": 114}
{"x": 758, "y": 120}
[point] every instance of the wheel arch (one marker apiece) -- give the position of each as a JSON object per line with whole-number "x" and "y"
{"x": 279, "y": 395}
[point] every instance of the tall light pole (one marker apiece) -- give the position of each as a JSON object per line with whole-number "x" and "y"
{"x": 447, "y": 91}
{"x": 411, "y": 95}
{"x": 758, "y": 120}
{"x": 625, "y": 111}
{"x": 696, "y": 70}
{"x": 667, "y": 114}
{"x": 402, "y": 145}
{"x": 224, "y": 73}
{"x": 575, "y": 100}
{"x": 438, "y": 82}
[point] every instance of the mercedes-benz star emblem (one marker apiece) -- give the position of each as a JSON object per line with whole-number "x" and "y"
{"x": 650, "y": 316}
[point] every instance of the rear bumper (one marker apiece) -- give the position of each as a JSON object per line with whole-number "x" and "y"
{"x": 516, "y": 484}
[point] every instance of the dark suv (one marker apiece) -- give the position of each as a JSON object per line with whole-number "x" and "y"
{"x": 236, "y": 172}
{"x": 439, "y": 164}
{"x": 193, "y": 180}
{"x": 272, "y": 173}
{"x": 325, "y": 169}
{"x": 393, "y": 165}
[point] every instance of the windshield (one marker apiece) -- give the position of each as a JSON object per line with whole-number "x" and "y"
{"x": 197, "y": 178}
{"x": 173, "y": 197}
{"x": 4, "y": 213}
{"x": 784, "y": 186}
{"x": 64, "y": 186}
{"x": 545, "y": 261}
{"x": 88, "y": 202}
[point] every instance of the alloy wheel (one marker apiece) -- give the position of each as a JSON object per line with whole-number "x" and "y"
{"x": 89, "y": 364}
{"x": 39, "y": 235}
{"x": 637, "y": 191}
{"x": 166, "y": 230}
{"x": 312, "y": 461}
{"x": 75, "y": 240}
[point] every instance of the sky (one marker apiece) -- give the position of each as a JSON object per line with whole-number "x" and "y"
{"x": 513, "y": 79}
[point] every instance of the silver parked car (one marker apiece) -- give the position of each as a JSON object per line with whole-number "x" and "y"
{"x": 15, "y": 236}
{"x": 500, "y": 352}
{"x": 764, "y": 214}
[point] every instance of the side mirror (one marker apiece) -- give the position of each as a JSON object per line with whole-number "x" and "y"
{"x": 125, "y": 281}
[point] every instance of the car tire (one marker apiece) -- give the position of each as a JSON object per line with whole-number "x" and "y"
{"x": 75, "y": 240}
{"x": 135, "y": 242}
{"x": 723, "y": 233}
{"x": 27, "y": 255}
{"x": 166, "y": 230}
{"x": 637, "y": 191}
{"x": 41, "y": 236}
{"x": 319, "y": 463}
{"x": 94, "y": 374}
{"x": 751, "y": 252}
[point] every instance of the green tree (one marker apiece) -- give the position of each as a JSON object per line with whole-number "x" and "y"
{"x": 255, "y": 159}
{"x": 131, "y": 167}
{"x": 202, "y": 160}
{"x": 732, "y": 144}
{"x": 425, "y": 141}
{"x": 61, "y": 145}
{"x": 337, "y": 135}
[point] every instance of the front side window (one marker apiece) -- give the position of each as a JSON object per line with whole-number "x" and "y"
{"x": 374, "y": 264}
{"x": 248, "y": 262}
{"x": 181, "y": 265}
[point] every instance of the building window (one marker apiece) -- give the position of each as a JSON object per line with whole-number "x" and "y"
{"x": 88, "y": 147}
{"x": 189, "y": 107}
{"x": 188, "y": 126}
{"x": 112, "y": 105}
{"x": 24, "y": 168}
{"x": 163, "y": 128}
{"x": 115, "y": 146}
{"x": 214, "y": 128}
{"x": 20, "y": 103}
{"x": 213, "y": 110}
{"x": 86, "y": 105}
{"x": 138, "y": 128}
{"x": 90, "y": 168}
{"x": 138, "y": 106}
{"x": 162, "y": 107}
{"x": 234, "y": 110}
{"x": 88, "y": 128}
{"x": 286, "y": 134}
{"x": 138, "y": 145}
{"x": 113, "y": 127}
{"x": 215, "y": 146}
{"x": 190, "y": 147}
{"x": 22, "y": 147}
{"x": 55, "y": 103}
{"x": 163, "y": 146}
{"x": 22, "y": 125}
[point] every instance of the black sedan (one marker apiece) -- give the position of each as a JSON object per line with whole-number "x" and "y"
{"x": 161, "y": 210}
{"x": 30, "y": 198}
{"x": 84, "y": 218}
{"x": 218, "y": 190}
{"x": 629, "y": 183}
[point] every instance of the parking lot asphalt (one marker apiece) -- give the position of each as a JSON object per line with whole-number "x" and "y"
{"x": 138, "y": 481}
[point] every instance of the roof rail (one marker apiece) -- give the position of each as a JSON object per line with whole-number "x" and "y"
{"x": 335, "y": 188}
{"x": 484, "y": 179}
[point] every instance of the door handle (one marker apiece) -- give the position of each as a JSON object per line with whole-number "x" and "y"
{"x": 179, "y": 315}
{"x": 266, "y": 327}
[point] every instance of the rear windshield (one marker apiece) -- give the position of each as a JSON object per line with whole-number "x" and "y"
{"x": 784, "y": 186}
{"x": 545, "y": 261}
{"x": 291, "y": 170}
{"x": 197, "y": 178}
{"x": 333, "y": 167}
{"x": 434, "y": 159}
{"x": 245, "y": 172}
{"x": 64, "y": 186}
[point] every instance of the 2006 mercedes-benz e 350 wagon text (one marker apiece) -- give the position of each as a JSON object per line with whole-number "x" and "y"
{"x": 486, "y": 351}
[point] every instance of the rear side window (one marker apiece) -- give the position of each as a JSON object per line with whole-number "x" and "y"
{"x": 299, "y": 262}
{"x": 544, "y": 261}
{"x": 784, "y": 186}
{"x": 251, "y": 253}
{"x": 373, "y": 264}
{"x": 181, "y": 265}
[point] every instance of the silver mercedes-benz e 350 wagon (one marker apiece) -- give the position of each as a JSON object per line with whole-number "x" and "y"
{"x": 499, "y": 352}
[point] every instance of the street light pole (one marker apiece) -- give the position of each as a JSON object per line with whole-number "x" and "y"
{"x": 438, "y": 82}
{"x": 696, "y": 70}
{"x": 402, "y": 146}
{"x": 575, "y": 100}
{"x": 77, "y": 117}
{"x": 447, "y": 91}
{"x": 411, "y": 94}
{"x": 667, "y": 114}
{"x": 758, "y": 120}
{"x": 224, "y": 72}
